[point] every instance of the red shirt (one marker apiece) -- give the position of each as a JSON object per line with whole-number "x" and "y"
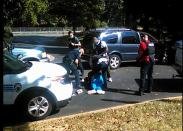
{"x": 142, "y": 48}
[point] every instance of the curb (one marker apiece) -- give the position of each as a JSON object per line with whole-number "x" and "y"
{"x": 106, "y": 109}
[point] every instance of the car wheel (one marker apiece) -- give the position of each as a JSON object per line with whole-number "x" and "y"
{"x": 36, "y": 106}
{"x": 115, "y": 61}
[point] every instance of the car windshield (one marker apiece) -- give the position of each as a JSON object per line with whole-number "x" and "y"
{"x": 13, "y": 63}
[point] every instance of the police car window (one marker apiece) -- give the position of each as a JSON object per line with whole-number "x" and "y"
{"x": 13, "y": 64}
{"x": 111, "y": 38}
{"x": 130, "y": 38}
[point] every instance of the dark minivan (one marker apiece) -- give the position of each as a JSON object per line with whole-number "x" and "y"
{"x": 123, "y": 44}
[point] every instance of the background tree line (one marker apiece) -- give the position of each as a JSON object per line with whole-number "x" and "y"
{"x": 153, "y": 16}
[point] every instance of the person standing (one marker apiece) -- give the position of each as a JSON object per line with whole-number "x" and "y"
{"x": 101, "y": 49}
{"x": 146, "y": 59}
{"x": 71, "y": 61}
{"x": 74, "y": 44}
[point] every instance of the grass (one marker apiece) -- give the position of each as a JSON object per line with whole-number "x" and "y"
{"x": 161, "y": 115}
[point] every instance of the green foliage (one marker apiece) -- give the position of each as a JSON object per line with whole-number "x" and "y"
{"x": 33, "y": 10}
{"x": 11, "y": 9}
{"x": 99, "y": 23}
{"x": 78, "y": 13}
{"x": 114, "y": 12}
{"x": 7, "y": 37}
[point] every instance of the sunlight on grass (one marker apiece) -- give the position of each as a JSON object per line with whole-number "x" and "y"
{"x": 162, "y": 115}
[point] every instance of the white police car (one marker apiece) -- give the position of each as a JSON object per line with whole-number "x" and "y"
{"x": 30, "y": 54}
{"x": 36, "y": 88}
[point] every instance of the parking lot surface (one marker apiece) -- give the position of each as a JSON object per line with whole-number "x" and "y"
{"x": 120, "y": 92}
{"x": 123, "y": 90}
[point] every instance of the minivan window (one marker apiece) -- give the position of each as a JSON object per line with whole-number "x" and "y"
{"x": 130, "y": 37}
{"x": 111, "y": 38}
{"x": 149, "y": 36}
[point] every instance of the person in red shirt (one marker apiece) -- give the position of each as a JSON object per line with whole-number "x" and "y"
{"x": 146, "y": 59}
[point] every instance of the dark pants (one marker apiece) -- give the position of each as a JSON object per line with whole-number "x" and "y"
{"x": 80, "y": 67}
{"x": 108, "y": 72}
{"x": 104, "y": 75}
{"x": 72, "y": 67}
{"x": 146, "y": 70}
{"x": 104, "y": 68}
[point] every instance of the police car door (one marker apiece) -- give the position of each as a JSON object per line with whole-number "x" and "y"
{"x": 10, "y": 88}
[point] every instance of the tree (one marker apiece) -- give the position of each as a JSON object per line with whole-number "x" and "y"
{"x": 158, "y": 18}
{"x": 155, "y": 15}
{"x": 78, "y": 13}
{"x": 114, "y": 12}
{"x": 34, "y": 12}
{"x": 11, "y": 9}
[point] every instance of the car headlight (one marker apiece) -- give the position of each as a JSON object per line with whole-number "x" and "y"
{"x": 44, "y": 55}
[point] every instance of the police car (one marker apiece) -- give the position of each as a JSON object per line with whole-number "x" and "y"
{"x": 30, "y": 53}
{"x": 35, "y": 88}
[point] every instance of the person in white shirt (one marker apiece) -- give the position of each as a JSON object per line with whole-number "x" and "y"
{"x": 101, "y": 49}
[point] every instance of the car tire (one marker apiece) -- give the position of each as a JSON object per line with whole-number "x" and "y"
{"x": 36, "y": 105}
{"x": 115, "y": 61}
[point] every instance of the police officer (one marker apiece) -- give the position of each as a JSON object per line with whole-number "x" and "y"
{"x": 146, "y": 60}
{"x": 71, "y": 61}
{"x": 101, "y": 49}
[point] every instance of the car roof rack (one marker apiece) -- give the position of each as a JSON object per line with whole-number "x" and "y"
{"x": 108, "y": 29}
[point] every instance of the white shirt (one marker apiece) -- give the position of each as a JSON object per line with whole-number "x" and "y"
{"x": 102, "y": 60}
{"x": 103, "y": 45}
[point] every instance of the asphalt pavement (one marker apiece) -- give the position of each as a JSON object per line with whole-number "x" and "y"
{"x": 120, "y": 92}
{"x": 123, "y": 90}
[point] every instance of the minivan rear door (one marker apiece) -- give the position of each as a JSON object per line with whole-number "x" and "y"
{"x": 130, "y": 43}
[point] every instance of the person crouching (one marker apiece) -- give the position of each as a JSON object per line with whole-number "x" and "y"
{"x": 99, "y": 77}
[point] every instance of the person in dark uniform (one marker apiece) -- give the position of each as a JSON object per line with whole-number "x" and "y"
{"x": 146, "y": 60}
{"x": 73, "y": 41}
{"x": 102, "y": 50}
{"x": 74, "y": 44}
{"x": 71, "y": 61}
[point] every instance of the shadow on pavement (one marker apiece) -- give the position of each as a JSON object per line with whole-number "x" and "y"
{"x": 123, "y": 91}
{"x": 129, "y": 64}
{"x": 166, "y": 85}
{"x": 11, "y": 117}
